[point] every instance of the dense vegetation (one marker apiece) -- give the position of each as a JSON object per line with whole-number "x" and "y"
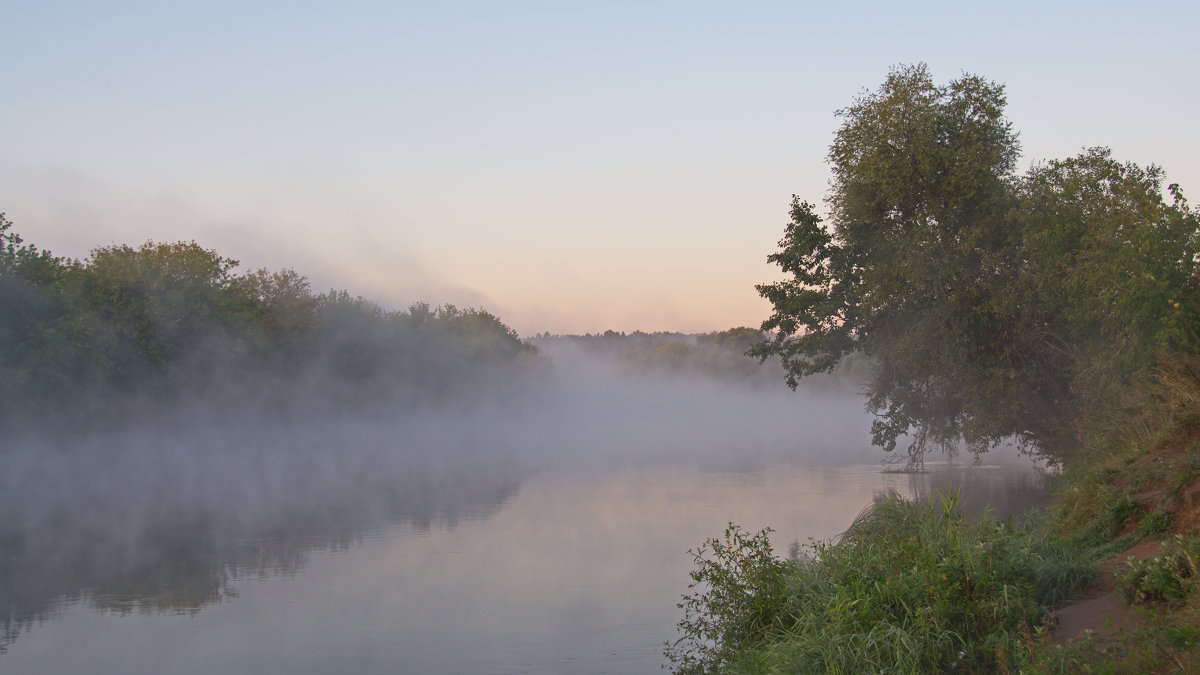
{"x": 993, "y": 304}
{"x": 909, "y": 588}
{"x": 1059, "y": 308}
{"x": 916, "y": 588}
{"x": 132, "y": 329}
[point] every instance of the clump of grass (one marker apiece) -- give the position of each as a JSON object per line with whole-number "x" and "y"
{"x": 910, "y": 587}
{"x": 1100, "y": 533}
{"x": 1155, "y": 523}
{"x": 1124, "y": 508}
{"x": 1097, "y": 503}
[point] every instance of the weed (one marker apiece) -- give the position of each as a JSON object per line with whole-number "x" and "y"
{"x": 1121, "y": 510}
{"x": 1189, "y": 468}
{"x": 1164, "y": 578}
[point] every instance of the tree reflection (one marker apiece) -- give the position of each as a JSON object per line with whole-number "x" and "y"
{"x": 1003, "y": 489}
{"x": 164, "y": 538}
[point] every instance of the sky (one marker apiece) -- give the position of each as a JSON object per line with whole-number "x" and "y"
{"x": 569, "y": 166}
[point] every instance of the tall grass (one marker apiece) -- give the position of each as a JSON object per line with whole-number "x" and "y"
{"x": 910, "y": 587}
{"x": 1144, "y": 444}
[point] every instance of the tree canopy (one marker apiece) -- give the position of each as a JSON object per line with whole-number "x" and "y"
{"x": 131, "y": 329}
{"x": 991, "y": 304}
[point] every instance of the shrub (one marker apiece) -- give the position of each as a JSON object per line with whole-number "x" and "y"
{"x": 1163, "y": 578}
{"x": 910, "y": 587}
{"x": 737, "y": 600}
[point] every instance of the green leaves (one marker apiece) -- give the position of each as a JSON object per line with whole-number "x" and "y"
{"x": 812, "y": 302}
{"x": 738, "y": 601}
{"x": 911, "y": 587}
{"x": 167, "y": 320}
{"x": 991, "y": 305}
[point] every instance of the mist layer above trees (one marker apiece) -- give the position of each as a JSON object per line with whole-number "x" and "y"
{"x": 991, "y": 304}
{"x": 130, "y": 330}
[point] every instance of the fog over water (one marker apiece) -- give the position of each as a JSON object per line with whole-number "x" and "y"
{"x": 583, "y": 491}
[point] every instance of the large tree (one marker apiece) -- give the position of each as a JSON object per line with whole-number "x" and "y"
{"x": 982, "y": 297}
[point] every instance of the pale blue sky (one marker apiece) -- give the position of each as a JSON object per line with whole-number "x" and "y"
{"x": 570, "y": 166}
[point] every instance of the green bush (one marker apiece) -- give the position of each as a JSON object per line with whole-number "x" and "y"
{"x": 738, "y": 600}
{"x": 1164, "y": 578}
{"x": 910, "y": 587}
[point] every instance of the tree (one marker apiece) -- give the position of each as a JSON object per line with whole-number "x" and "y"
{"x": 40, "y": 346}
{"x": 986, "y": 301}
{"x": 285, "y": 312}
{"x": 165, "y": 305}
{"x": 1107, "y": 283}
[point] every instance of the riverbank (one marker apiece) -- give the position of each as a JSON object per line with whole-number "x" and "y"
{"x": 1101, "y": 581}
{"x": 1136, "y": 495}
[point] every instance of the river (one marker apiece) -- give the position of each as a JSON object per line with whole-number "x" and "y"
{"x": 273, "y": 558}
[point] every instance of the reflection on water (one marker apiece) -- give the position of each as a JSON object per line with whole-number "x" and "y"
{"x": 414, "y": 565}
{"x": 123, "y": 530}
{"x": 1004, "y": 485}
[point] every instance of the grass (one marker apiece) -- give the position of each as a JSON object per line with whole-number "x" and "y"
{"x": 910, "y": 587}
{"x": 1134, "y": 484}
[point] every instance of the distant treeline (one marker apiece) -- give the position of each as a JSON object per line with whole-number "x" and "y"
{"x": 131, "y": 329}
{"x": 719, "y": 355}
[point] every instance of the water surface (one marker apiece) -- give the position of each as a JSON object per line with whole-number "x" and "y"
{"x": 557, "y": 571}
{"x": 545, "y": 535}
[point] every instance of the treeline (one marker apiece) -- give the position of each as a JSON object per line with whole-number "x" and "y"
{"x": 609, "y": 345}
{"x": 719, "y": 356}
{"x": 131, "y": 329}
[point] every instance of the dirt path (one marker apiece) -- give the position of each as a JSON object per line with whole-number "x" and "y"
{"x": 1101, "y": 609}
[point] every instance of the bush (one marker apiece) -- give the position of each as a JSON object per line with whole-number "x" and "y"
{"x": 910, "y": 587}
{"x": 738, "y": 600}
{"x": 1164, "y": 578}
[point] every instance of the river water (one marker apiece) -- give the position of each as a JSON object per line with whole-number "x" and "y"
{"x": 273, "y": 559}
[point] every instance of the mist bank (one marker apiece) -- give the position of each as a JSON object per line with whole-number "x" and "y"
{"x": 157, "y": 520}
{"x": 172, "y": 335}
{"x": 170, "y": 514}
{"x": 717, "y": 356}
{"x": 172, "y": 425}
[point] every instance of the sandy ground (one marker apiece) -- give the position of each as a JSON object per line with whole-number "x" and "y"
{"x": 1101, "y": 609}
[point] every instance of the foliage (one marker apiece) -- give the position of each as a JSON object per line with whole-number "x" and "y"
{"x": 991, "y": 305}
{"x": 161, "y": 304}
{"x": 910, "y": 587}
{"x": 37, "y": 345}
{"x": 1165, "y": 577}
{"x": 719, "y": 355}
{"x": 132, "y": 329}
{"x": 1107, "y": 285}
{"x": 738, "y": 601}
{"x": 1155, "y": 523}
{"x": 1136, "y": 479}
{"x": 1152, "y": 648}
